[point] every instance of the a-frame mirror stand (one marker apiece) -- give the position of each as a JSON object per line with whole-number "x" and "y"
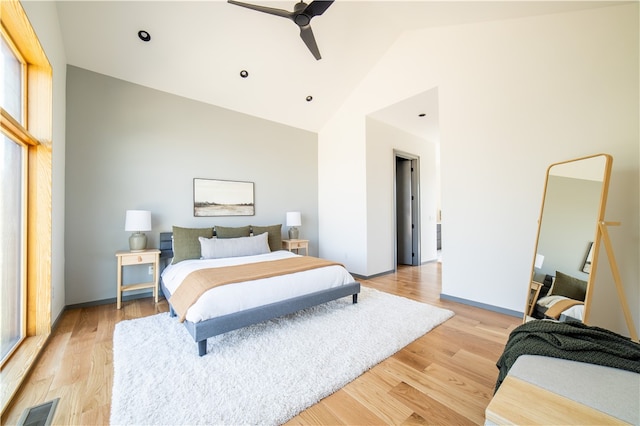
{"x": 604, "y": 232}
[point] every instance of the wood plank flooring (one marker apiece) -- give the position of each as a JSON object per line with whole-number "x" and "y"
{"x": 445, "y": 377}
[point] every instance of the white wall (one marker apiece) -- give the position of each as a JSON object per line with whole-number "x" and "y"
{"x": 342, "y": 212}
{"x": 382, "y": 139}
{"x": 44, "y": 19}
{"x": 515, "y": 96}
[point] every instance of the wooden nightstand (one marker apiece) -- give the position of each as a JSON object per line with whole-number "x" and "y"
{"x": 127, "y": 258}
{"x": 534, "y": 292}
{"x": 296, "y": 245}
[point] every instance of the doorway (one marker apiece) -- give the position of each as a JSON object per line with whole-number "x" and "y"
{"x": 407, "y": 209}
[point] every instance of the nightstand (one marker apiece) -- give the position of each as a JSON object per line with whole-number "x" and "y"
{"x": 128, "y": 258}
{"x": 534, "y": 292}
{"x": 296, "y": 245}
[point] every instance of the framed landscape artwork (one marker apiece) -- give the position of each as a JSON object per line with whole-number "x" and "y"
{"x": 212, "y": 197}
{"x": 586, "y": 267}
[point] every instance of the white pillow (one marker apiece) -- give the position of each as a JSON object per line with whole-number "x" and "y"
{"x": 216, "y": 248}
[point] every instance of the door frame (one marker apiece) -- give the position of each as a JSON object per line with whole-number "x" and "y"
{"x": 415, "y": 191}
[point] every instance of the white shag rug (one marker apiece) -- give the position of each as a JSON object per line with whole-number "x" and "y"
{"x": 264, "y": 374}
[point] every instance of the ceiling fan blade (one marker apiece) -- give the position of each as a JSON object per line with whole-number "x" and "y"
{"x": 269, "y": 10}
{"x": 316, "y": 8}
{"x": 307, "y": 36}
{"x": 301, "y": 15}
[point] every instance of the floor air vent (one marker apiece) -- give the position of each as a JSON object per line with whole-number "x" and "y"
{"x": 39, "y": 415}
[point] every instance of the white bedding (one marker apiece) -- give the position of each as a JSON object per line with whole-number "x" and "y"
{"x": 576, "y": 311}
{"x": 231, "y": 298}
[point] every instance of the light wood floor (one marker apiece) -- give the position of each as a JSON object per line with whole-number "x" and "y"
{"x": 445, "y": 377}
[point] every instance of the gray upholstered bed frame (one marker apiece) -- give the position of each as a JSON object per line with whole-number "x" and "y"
{"x": 200, "y": 331}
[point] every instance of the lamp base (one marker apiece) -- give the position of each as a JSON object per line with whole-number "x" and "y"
{"x": 137, "y": 241}
{"x": 293, "y": 233}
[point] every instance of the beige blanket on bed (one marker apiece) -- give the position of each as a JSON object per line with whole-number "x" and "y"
{"x": 198, "y": 282}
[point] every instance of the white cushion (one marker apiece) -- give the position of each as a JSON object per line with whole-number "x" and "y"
{"x": 216, "y": 248}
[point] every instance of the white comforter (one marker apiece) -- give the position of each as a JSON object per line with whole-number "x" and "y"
{"x": 231, "y": 298}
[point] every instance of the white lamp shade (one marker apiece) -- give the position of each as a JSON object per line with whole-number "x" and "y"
{"x": 539, "y": 261}
{"x": 138, "y": 221}
{"x": 294, "y": 219}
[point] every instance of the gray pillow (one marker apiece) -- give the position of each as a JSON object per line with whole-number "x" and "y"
{"x": 186, "y": 244}
{"x": 275, "y": 235}
{"x": 216, "y": 248}
{"x": 231, "y": 232}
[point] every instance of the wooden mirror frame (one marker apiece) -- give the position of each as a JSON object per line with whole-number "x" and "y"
{"x": 534, "y": 287}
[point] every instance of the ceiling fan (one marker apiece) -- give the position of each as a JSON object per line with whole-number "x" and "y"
{"x": 301, "y": 15}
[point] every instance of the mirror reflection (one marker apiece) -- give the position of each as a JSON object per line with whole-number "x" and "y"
{"x": 566, "y": 248}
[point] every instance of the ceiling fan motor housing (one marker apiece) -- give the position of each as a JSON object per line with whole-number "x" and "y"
{"x": 302, "y": 20}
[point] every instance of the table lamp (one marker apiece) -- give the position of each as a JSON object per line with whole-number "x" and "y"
{"x": 293, "y": 221}
{"x": 137, "y": 221}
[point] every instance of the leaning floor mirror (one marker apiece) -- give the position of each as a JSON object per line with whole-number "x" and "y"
{"x": 569, "y": 237}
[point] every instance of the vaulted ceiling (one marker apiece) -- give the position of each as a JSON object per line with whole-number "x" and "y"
{"x": 198, "y": 49}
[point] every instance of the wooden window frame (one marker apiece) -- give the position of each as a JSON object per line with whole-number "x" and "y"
{"x": 36, "y": 134}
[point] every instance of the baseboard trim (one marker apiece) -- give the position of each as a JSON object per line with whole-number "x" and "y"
{"x": 484, "y": 306}
{"x": 368, "y": 277}
{"x": 391, "y": 271}
{"x": 111, "y": 300}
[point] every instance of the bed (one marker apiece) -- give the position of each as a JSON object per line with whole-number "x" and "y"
{"x": 562, "y": 298}
{"x": 561, "y": 308}
{"x": 241, "y": 296}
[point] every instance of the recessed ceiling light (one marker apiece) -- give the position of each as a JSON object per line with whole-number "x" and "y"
{"x": 144, "y": 36}
{"x": 309, "y": 98}
{"x": 244, "y": 73}
{"x": 421, "y": 114}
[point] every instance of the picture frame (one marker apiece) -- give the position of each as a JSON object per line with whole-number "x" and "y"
{"x": 586, "y": 266}
{"x": 215, "y": 197}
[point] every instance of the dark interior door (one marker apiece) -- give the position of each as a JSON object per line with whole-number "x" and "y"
{"x": 404, "y": 212}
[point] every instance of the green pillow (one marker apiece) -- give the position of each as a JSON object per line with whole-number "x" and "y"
{"x": 229, "y": 232}
{"x": 275, "y": 235}
{"x": 186, "y": 244}
{"x": 568, "y": 286}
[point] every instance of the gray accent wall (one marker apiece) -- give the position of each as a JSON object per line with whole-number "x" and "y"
{"x": 131, "y": 147}
{"x": 569, "y": 225}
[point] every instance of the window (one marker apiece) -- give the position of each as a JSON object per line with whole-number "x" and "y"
{"x": 12, "y": 271}
{"x": 25, "y": 191}
{"x": 12, "y": 82}
{"x": 13, "y": 193}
